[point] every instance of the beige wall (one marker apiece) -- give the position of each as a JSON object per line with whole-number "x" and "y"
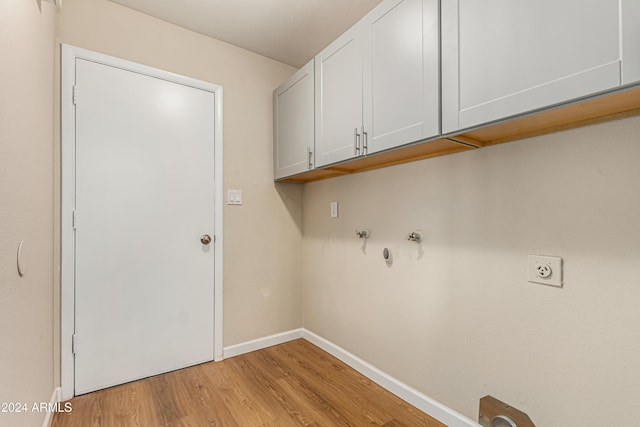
{"x": 263, "y": 237}
{"x": 455, "y": 317}
{"x": 26, "y": 205}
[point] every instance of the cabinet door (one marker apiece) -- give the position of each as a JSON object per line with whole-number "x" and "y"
{"x": 630, "y": 16}
{"x": 293, "y": 130}
{"x": 339, "y": 98}
{"x": 401, "y": 77}
{"x": 504, "y": 58}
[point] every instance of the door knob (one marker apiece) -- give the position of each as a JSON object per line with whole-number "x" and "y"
{"x": 205, "y": 239}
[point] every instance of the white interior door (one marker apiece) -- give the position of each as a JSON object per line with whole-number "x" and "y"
{"x": 144, "y": 197}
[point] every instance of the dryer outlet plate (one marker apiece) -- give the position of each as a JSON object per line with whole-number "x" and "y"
{"x": 545, "y": 270}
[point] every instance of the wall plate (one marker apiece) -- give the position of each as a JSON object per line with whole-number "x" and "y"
{"x": 546, "y": 270}
{"x": 333, "y": 209}
{"x": 234, "y": 197}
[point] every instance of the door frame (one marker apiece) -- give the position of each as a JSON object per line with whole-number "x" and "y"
{"x": 68, "y": 165}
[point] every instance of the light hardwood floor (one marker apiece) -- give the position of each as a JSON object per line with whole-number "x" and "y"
{"x": 292, "y": 384}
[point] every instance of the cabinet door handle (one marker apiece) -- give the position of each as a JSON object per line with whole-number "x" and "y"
{"x": 309, "y": 162}
{"x": 365, "y": 141}
{"x": 356, "y": 142}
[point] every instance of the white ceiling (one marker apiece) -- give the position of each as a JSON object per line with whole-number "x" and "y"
{"x": 289, "y": 31}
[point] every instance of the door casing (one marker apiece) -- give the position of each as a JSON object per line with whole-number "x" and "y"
{"x": 68, "y": 137}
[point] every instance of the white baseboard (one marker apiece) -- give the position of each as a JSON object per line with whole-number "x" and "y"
{"x": 421, "y": 401}
{"x": 260, "y": 343}
{"x": 55, "y": 398}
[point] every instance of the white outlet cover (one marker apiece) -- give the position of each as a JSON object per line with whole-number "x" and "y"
{"x": 549, "y": 262}
{"x": 333, "y": 209}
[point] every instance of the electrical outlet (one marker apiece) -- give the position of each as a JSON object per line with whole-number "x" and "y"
{"x": 546, "y": 270}
{"x": 333, "y": 208}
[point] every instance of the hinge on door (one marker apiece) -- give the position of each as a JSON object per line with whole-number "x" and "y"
{"x": 75, "y": 95}
{"x": 74, "y": 343}
{"x": 74, "y": 219}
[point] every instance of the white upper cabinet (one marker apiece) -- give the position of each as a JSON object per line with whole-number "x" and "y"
{"x": 377, "y": 85}
{"x": 339, "y": 70}
{"x": 504, "y": 58}
{"x": 630, "y": 15}
{"x": 401, "y": 80}
{"x": 450, "y": 74}
{"x": 293, "y": 127}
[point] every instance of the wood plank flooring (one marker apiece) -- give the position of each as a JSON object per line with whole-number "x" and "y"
{"x": 292, "y": 384}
